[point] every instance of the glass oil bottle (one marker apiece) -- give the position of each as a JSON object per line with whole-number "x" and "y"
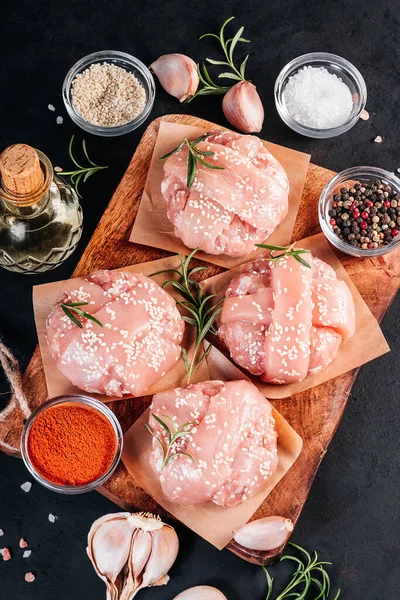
{"x": 40, "y": 214}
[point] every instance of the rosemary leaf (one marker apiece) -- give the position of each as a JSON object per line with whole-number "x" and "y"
{"x": 71, "y": 316}
{"x": 73, "y": 307}
{"x": 202, "y": 313}
{"x": 286, "y": 251}
{"x": 194, "y": 157}
{"x": 81, "y": 172}
{"x": 173, "y": 435}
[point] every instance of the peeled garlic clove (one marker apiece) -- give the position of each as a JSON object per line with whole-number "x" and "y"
{"x": 201, "y": 592}
{"x": 264, "y": 534}
{"x": 243, "y": 108}
{"x": 164, "y": 550}
{"x": 177, "y": 74}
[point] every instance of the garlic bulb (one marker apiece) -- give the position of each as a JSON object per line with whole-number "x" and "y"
{"x": 264, "y": 534}
{"x": 243, "y": 108}
{"x": 177, "y": 74}
{"x": 201, "y": 592}
{"x": 131, "y": 551}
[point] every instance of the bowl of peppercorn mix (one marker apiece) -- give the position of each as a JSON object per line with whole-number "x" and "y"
{"x": 359, "y": 211}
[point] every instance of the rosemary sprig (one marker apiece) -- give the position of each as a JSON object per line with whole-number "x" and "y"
{"x": 172, "y": 435}
{"x": 194, "y": 157}
{"x": 286, "y": 251}
{"x": 201, "y": 315}
{"x": 81, "y": 172}
{"x": 72, "y": 309}
{"x": 228, "y": 47}
{"x": 309, "y": 576}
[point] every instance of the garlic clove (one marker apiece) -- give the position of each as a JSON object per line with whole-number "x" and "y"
{"x": 164, "y": 551}
{"x": 141, "y": 550}
{"x": 264, "y": 534}
{"x": 110, "y": 547}
{"x": 177, "y": 74}
{"x": 201, "y": 592}
{"x": 243, "y": 108}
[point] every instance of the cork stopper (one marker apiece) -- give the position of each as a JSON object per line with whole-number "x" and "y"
{"x": 20, "y": 170}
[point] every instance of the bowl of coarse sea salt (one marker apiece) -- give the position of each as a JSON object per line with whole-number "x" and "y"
{"x": 320, "y": 95}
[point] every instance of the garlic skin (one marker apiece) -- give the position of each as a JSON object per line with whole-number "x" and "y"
{"x": 131, "y": 551}
{"x": 264, "y": 534}
{"x": 243, "y": 108}
{"x": 177, "y": 74}
{"x": 201, "y": 592}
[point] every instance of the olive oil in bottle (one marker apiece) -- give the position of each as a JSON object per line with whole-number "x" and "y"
{"x": 40, "y": 214}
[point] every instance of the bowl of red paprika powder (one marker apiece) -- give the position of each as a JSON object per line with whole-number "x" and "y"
{"x": 72, "y": 444}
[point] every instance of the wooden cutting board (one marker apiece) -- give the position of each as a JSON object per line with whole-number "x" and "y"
{"x": 314, "y": 414}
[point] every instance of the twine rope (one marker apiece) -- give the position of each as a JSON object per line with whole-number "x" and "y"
{"x": 14, "y": 377}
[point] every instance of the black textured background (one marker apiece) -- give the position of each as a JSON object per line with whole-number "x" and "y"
{"x": 352, "y": 514}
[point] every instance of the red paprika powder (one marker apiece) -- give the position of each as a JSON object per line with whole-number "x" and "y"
{"x": 71, "y": 444}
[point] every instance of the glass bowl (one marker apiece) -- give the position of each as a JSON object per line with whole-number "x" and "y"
{"x": 351, "y": 176}
{"x": 90, "y": 403}
{"x": 127, "y": 62}
{"x": 334, "y": 64}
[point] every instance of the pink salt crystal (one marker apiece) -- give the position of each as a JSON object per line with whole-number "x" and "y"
{"x": 378, "y": 139}
{"x": 58, "y": 169}
{"x": 364, "y": 115}
{"x": 29, "y": 577}
{"x": 23, "y": 543}
{"x": 6, "y": 554}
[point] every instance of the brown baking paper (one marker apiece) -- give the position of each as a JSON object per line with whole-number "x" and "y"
{"x": 367, "y": 343}
{"x": 152, "y": 226}
{"x": 47, "y": 295}
{"x": 213, "y": 523}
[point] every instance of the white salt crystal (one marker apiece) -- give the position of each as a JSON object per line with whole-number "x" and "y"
{"x": 378, "y": 139}
{"x": 1, "y": 532}
{"x": 316, "y": 98}
{"x": 26, "y": 486}
{"x": 59, "y": 120}
{"x": 398, "y": 170}
{"x": 27, "y": 553}
{"x": 52, "y": 518}
{"x": 51, "y": 107}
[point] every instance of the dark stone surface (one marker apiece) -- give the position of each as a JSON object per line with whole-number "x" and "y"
{"x": 351, "y": 516}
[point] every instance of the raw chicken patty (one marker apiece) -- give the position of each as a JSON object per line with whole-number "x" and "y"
{"x": 232, "y": 441}
{"x": 226, "y": 211}
{"x": 138, "y": 343}
{"x": 282, "y": 321}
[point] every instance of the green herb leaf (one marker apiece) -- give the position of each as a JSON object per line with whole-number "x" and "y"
{"x": 309, "y": 577}
{"x": 202, "y": 312}
{"x": 228, "y": 47}
{"x": 286, "y": 251}
{"x": 81, "y": 172}
{"x": 73, "y": 307}
{"x": 173, "y": 434}
{"x": 194, "y": 157}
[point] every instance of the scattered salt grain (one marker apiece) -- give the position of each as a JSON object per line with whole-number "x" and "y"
{"x": 378, "y": 139}
{"x": 6, "y": 554}
{"x": 1, "y": 532}
{"x": 23, "y": 543}
{"x": 26, "y": 487}
{"x": 316, "y": 98}
{"x": 364, "y": 115}
{"x": 52, "y": 518}
{"x": 398, "y": 170}
{"x": 59, "y": 120}
{"x": 51, "y": 107}
{"x": 27, "y": 554}
{"x": 58, "y": 169}
{"x": 29, "y": 577}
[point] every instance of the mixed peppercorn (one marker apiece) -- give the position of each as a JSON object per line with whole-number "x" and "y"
{"x": 366, "y": 216}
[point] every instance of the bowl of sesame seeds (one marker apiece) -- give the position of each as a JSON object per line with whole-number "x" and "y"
{"x": 108, "y": 93}
{"x": 359, "y": 211}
